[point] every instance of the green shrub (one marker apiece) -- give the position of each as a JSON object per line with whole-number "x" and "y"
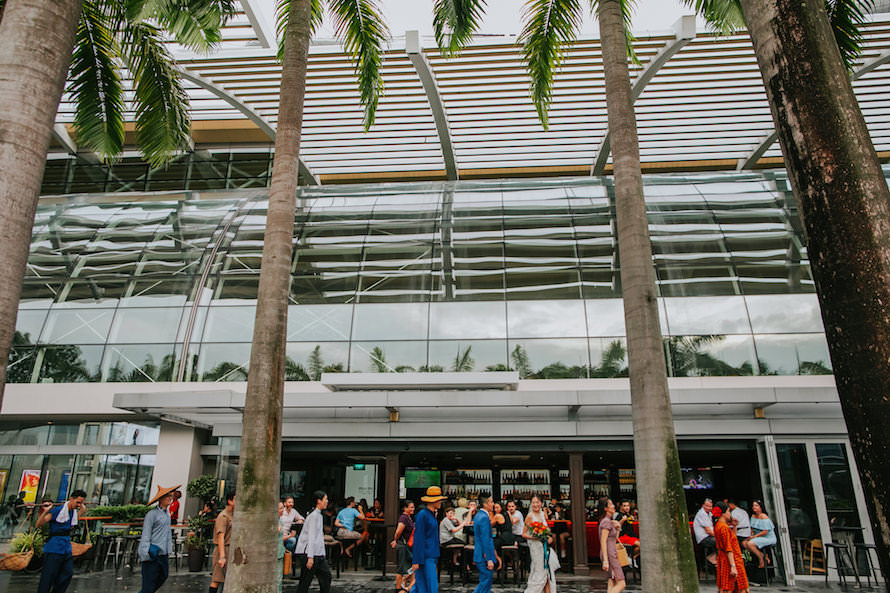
{"x": 120, "y": 514}
{"x": 203, "y": 488}
{"x": 22, "y": 542}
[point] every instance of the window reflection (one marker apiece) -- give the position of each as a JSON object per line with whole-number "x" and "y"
{"x": 793, "y": 354}
{"x": 608, "y": 357}
{"x": 713, "y": 355}
{"x": 145, "y": 325}
{"x": 68, "y": 363}
{"x": 388, "y": 357}
{"x": 605, "y": 317}
{"x": 315, "y": 322}
{"x": 466, "y": 356}
{"x": 545, "y": 319}
{"x": 702, "y": 315}
{"x": 468, "y": 320}
{"x": 306, "y": 361}
{"x": 550, "y": 359}
{"x": 404, "y": 321}
{"x": 224, "y": 362}
{"x": 140, "y": 363}
{"x": 781, "y": 313}
{"x": 77, "y": 326}
{"x": 229, "y": 324}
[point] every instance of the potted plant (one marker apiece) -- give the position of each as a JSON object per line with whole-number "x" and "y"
{"x": 203, "y": 488}
{"x": 196, "y": 542}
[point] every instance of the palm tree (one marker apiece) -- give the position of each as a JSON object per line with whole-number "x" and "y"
{"x": 253, "y": 564}
{"x": 91, "y": 41}
{"x": 463, "y": 362}
{"x": 836, "y": 176}
{"x": 667, "y": 545}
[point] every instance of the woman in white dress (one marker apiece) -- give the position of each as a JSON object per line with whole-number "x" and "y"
{"x": 540, "y": 579}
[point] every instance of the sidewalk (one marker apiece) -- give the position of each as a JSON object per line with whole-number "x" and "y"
{"x": 357, "y": 582}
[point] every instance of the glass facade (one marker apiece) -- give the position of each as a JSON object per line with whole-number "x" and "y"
{"x": 438, "y": 276}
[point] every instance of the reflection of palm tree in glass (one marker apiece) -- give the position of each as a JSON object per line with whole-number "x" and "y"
{"x": 520, "y": 362}
{"x": 294, "y": 371}
{"x": 21, "y": 359}
{"x": 148, "y": 372}
{"x": 814, "y": 368}
{"x": 463, "y": 362}
{"x": 378, "y": 360}
{"x": 315, "y": 363}
{"x": 613, "y": 362}
{"x": 687, "y": 359}
{"x": 226, "y": 371}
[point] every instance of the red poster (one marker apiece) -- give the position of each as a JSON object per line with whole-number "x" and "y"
{"x": 30, "y": 481}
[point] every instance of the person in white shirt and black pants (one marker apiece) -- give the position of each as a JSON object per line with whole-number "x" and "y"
{"x": 310, "y": 548}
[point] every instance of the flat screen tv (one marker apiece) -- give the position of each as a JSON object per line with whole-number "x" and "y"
{"x": 422, "y": 478}
{"x": 698, "y": 478}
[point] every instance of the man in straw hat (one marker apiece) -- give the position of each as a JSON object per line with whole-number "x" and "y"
{"x": 426, "y": 542}
{"x": 58, "y": 563}
{"x": 156, "y": 542}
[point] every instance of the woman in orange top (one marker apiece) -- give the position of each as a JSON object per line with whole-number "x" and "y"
{"x": 731, "y": 574}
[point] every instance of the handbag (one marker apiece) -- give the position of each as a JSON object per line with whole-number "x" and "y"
{"x": 623, "y": 558}
{"x": 287, "y": 564}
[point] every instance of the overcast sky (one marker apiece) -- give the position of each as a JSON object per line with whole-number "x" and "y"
{"x": 504, "y": 17}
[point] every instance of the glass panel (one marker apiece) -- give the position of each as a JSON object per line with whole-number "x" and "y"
{"x": 224, "y": 362}
{"x": 142, "y": 491}
{"x": 32, "y": 435}
{"x": 546, "y": 319}
{"x": 793, "y": 354}
{"x": 605, "y": 317}
{"x": 468, "y": 355}
{"x": 462, "y": 320}
{"x": 69, "y": 364}
{"x": 608, "y": 357}
{"x": 318, "y": 322}
{"x": 306, "y": 361}
{"x": 837, "y": 485}
{"x": 57, "y": 477}
{"x": 793, "y": 313}
{"x": 28, "y": 324}
{"x": 704, "y": 315}
{"x": 710, "y": 356}
{"x": 403, "y": 321}
{"x": 25, "y": 476}
{"x": 77, "y": 326}
{"x": 119, "y": 479}
{"x": 800, "y": 504}
{"x": 550, "y": 359}
{"x": 145, "y": 325}
{"x": 20, "y": 368}
{"x": 64, "y": 434}
{"x": 387, "y": 357}
{"x": 139, "y": 363}
{"x": 229, "y": 324}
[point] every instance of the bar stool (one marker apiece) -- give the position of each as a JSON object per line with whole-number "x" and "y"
{"x": 447, "y": 553}
{"x": 842, "y": 554}
{"x": 511, "y": 552}
{"x": 872, "y": 568}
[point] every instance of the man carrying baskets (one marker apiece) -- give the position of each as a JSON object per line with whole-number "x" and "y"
{"x": 58, "y": 562}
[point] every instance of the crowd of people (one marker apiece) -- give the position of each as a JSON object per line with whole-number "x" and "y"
{"x": 722, "y": 529}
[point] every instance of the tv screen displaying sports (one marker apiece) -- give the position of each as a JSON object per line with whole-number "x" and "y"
{"x": 698, "y": 478}
{"x": 422, "y": 478}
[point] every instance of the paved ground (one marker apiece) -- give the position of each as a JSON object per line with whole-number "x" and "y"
{"x": 352, "y": 582}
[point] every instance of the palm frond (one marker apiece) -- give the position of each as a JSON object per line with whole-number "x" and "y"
{"x": 360, "y": 25}
{"x": 161, "y": 103}
{"x": 195, "y": 24}
{"x": 455, "y": 22}
{"x": 316, "y": 16}
{"x": 2, "y": 6}
{"x": 96, "y": 84}
{"x": 549, "y": 26}
{"x": 847, "y": 18}
{"x": 724, "y": 16}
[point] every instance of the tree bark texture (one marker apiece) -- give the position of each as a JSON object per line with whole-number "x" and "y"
{"x": 664, "y": 529}
{"x": 253, "y": 565}
{"x": 845, "y": 206}
{"x": 36, "y": 40}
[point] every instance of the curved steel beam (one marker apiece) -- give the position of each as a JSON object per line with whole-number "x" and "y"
{"x": 684, "y": 32}
{"x": 431, "y": 87}
{"x": 60, "y": 135}
{"x": 767, "y": 141}
{"x": 261, "y": 122}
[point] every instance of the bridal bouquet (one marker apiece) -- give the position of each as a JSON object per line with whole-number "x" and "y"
{"x": 539, "y": 530}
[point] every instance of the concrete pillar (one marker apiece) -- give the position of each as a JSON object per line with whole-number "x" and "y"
{"x": 391, "y": 507}
{"x": 579, "y": 513}
{"x": 177, "y": 461}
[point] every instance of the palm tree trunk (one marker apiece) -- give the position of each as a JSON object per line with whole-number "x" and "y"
{"x": 664, "y": 527}
{"x": 845, "y": 206}
{"x": 253, "y": 565}
{"x": 36, "y": 40}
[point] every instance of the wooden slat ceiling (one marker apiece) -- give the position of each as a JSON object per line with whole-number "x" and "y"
{"x": 705, "y": 109}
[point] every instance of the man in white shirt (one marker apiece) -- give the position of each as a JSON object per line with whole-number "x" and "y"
{"x": 310, "y": 548}
{"x": 740, "y": 520}
{"x": 516, "y": 523}
{"x": 290, "y": 518}
{"x": 703, "y": 527}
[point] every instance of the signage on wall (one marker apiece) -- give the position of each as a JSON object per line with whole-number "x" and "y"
{"x": 30, "y": 482}
{"x": 63, "y": 486}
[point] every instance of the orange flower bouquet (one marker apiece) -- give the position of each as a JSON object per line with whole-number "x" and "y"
{"x": 540, "y": 530}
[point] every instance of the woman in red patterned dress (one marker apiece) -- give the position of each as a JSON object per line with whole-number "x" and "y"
{"x": 731, "y": 574}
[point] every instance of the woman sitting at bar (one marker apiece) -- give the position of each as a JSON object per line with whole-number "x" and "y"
{"x": 763, "y": 533}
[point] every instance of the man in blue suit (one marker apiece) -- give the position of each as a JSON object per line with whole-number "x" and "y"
{"x": 483, "y": 551}
{"x": 425, "y": 551}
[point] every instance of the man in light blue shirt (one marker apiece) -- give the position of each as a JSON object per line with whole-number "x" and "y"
{"x": 345, "y": 524}
{"x": 156, "y": 542}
